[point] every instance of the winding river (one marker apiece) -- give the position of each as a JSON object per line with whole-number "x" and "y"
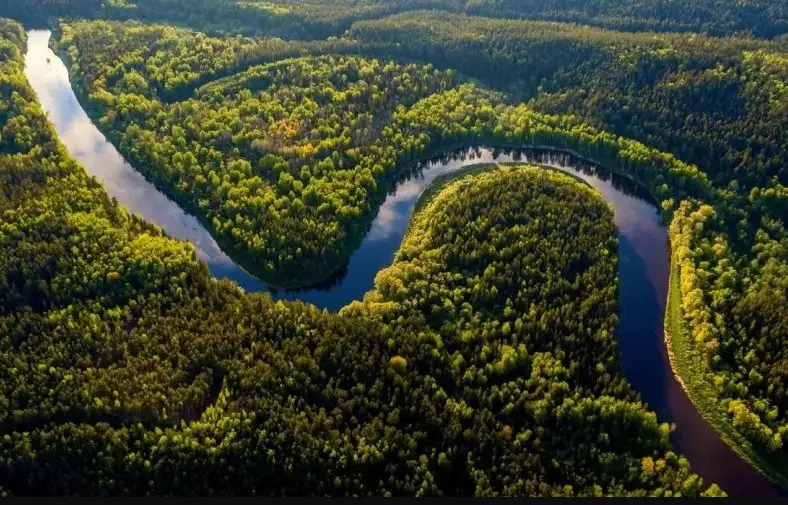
{"x": 643, "y": 265}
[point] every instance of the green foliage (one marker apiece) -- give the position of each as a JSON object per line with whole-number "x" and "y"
{"x": 718, "y": 103}
{"x": 762, "y": 18}
{"x": 128, "y": 370}
{"x": 287, "y": 161}
{"x": 318, "y": 19}
{"x": 167, "y": 62}
{"x": 499, "y": 265}
{"x": 125, "y": 360}
{"x": 314, "y": 20}
{"x": 283, "y": 161}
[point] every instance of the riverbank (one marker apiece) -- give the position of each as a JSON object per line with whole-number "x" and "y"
{"x": 436, "y": 186}
{"x": 689, "y": 369}
{"x": 340, "y": 250}
{"x": 645, "y": 257}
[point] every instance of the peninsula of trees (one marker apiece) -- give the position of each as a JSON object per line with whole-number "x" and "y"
{"x": 128, "y": 370}
{"x": 484, "y": 360}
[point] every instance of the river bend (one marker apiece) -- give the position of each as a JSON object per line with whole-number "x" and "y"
{"x": 643, "y": 256}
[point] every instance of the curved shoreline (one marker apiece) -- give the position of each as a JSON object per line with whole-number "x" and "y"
{"x": 657, "y": 398}
{"x": 681, "y": 363}
{"x": 246, "y": 262}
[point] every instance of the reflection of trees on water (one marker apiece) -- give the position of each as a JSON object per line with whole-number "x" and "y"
{"x": 534, "y": 156}
{"x": 463, "y": 157}
{"x": 566, "y": 160}
{"x": 326, "y": 285}
{"x": 416, "y": 170}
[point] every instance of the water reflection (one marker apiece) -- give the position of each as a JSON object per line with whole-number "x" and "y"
{"x": 643, "y": 264}
{"x": 49, "y": 78}
{"x": 634, "y": 216}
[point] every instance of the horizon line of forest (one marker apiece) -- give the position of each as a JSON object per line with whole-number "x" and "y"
{"x": 286, "y": 148}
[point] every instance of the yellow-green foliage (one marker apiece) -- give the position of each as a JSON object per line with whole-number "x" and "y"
{"x": 128, "y": 370}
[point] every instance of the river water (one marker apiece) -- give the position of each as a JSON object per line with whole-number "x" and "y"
{"x": 643, "y": 257}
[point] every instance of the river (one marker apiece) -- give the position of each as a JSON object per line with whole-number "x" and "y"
{"x": 643, "y": 257}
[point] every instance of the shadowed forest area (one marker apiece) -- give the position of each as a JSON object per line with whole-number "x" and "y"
{"x": 484, "y": 361}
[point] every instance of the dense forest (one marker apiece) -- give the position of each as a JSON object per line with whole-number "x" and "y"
{"x": 286, "y": 162}
{"x": 128, "y": 370}
{"x": 762, "y": 18}
{"x": 319, "y": 19}
{"x": 484, "y": 360}
{"x": 718, "y": 103}
{"x": 308, "y": 147}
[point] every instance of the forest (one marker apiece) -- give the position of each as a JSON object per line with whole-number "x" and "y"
{"x": 484, "y": 360}
{"x": 127, "y": 370}
{"x": 320, "y": 19}
{"x": 719, "y": 103}
{"x": 286, "y": 162}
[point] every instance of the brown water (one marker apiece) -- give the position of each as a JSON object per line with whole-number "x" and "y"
{"x": 643, "y": 264}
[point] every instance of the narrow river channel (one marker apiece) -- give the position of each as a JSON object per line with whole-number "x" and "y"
{"x": 643, "y": 257}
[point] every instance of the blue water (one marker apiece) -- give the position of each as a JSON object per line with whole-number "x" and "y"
{"x": 643, "y": 256}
